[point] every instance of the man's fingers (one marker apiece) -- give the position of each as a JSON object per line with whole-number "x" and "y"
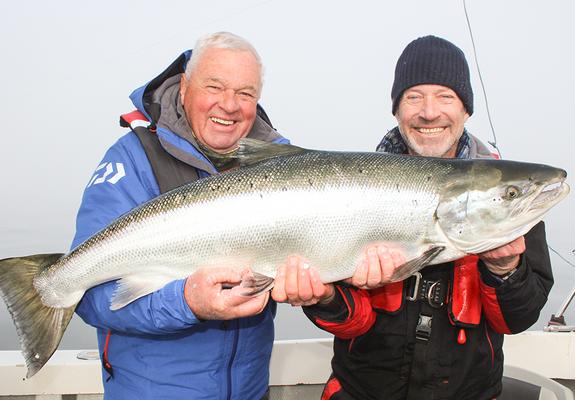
{"x": 217, "y": 276}
{"x": 299, "y": 284}
{"x": 304, "y": 281}
{"x": 318, "y": 287}
{"x": 237, "y": 305}
{"x": 278, "y": 291}
{"x": 505, "y": 258}
{"x": 514, "y": 248}
{"x": 518, "y": 246}
{"x": 375, "y": 256}
{"x": 291, "y": 280}
{"x": 359, "y": 278}
{"x": 398, "y": 258}
{"x": 208, "y": 297}
{"x": 378, "y": 265}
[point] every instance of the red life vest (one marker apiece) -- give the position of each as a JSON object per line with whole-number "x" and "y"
{"x": 463, "y": 298}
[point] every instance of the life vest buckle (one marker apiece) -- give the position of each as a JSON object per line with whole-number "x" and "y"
{"x": 423, "y": 329}
{"x": 415, "y": 288}
{"x": 435, "y": 294}
{"x": 432, "y": 291}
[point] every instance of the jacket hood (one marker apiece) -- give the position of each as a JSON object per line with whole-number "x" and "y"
{"x": 142, "y": 97}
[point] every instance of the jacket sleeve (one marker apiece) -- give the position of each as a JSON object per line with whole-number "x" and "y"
{"x": 122, "y": 181}
{"x": 348, "y": 315}
{"x": 513, "y": 305}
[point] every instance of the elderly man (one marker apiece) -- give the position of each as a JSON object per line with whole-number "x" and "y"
{"x": 438, "y": 335}
{"x": 192, "y": 339}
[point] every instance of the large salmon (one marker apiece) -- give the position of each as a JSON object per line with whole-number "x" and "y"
{"x": 326, "y": 206}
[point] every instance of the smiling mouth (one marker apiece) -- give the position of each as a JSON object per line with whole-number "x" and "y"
{"x": 221, "y": 121}
{"x": 430, "y": 131}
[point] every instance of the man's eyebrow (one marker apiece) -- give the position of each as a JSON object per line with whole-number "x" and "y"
{"x": 214, "y": 80}
{"x": 249, "y": 87}
{"x": 221, "y": 82}
{"x": 446, "y": 90}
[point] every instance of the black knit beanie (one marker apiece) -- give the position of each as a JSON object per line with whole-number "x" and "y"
{"x": 436, "y": 61}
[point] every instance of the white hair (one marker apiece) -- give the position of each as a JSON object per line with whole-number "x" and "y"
{"x": 221, "y": 40}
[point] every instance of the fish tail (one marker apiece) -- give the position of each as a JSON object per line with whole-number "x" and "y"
{"x": 40, "y": 328}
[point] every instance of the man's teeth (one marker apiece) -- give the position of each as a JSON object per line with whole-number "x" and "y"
{"x": 430, "y": 130}
{"x": 221, "y": 121}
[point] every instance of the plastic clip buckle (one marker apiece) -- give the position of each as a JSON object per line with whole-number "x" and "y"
{"x": 423, "y": 330}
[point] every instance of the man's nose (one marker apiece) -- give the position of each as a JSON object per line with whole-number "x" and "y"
{"x": 430, "y": 110}
{"x": 229, "y": 101}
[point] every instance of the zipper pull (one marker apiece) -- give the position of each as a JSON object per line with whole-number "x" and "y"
{"x": 461, "y": 337}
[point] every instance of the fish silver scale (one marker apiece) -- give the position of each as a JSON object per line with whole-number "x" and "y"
{"x": 322, "y": 207}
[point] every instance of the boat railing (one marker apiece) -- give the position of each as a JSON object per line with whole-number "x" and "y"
{"x": 298, "y": 368}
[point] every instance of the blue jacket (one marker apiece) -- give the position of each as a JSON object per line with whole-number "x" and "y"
{"x": 158, "y": 349}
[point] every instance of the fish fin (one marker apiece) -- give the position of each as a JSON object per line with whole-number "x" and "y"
{"x": 253, "y": 151}
{"x": 256, "y": 284}
{"x": 409, "y": 268}
{"x": 40, "y": 328}
{"x": 132, "y": 287}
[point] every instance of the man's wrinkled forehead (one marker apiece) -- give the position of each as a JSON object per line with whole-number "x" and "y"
{"x": 431, "y": 88}
{"x": 229, "y": 67}
{"x": 214, "y": 57}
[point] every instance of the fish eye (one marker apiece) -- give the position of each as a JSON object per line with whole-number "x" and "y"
{"x": 512, "y": 192}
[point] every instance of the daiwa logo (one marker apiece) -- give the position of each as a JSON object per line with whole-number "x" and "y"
{"x": 108, "y": 172}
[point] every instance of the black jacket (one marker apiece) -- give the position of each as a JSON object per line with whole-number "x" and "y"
{"x": 380, "y": 351}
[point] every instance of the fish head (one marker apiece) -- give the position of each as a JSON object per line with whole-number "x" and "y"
{"x": 488, "y": 203}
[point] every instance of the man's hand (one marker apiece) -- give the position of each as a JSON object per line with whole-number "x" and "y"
{"x": 505, "y": 258}
{"x": 208, "y": 295}
{"x": 298, "y": 284}
{"x": 377, "y": 267}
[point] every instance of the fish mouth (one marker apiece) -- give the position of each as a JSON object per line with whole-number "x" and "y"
{"x": 526, "y": 214}
{"x": 550, "y": 194}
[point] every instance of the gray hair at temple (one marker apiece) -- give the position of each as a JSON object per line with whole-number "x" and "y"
{"x": 222, "y": 40}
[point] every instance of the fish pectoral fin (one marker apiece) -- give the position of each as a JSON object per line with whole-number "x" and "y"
{"x": 133, "y": 287}
{"x": 409, "y": 268}
{"x": 255, "y": 284}
{"x": 252, "y": 151}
